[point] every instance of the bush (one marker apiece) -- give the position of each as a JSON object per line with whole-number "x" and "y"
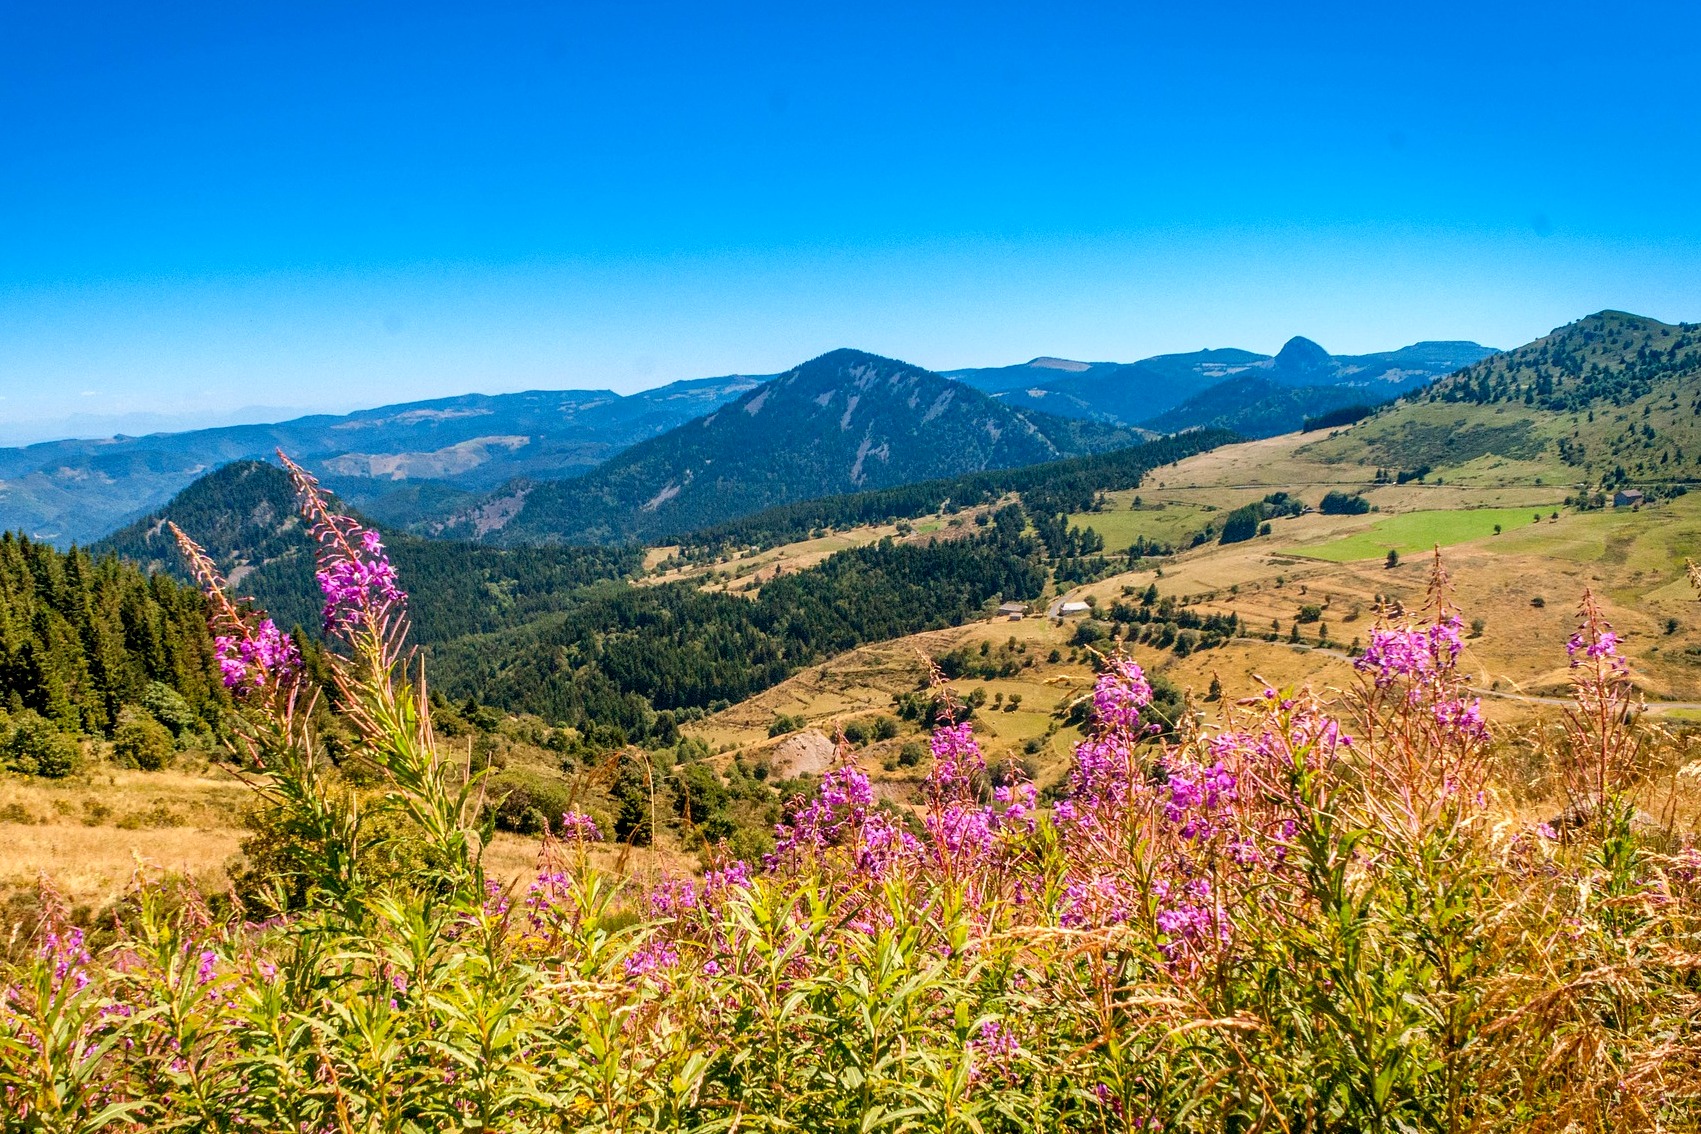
{"x": 140, "y": 741}
{"x": 1241, "y": 524}
{"x": 784, "y": 723}
{"x": 34, "y": 745}
{"x": 525, "y": 801}
{"x": 167, "y": 706}
{"x": 1090, "y": 632}
{"x": 1342, "y": 504}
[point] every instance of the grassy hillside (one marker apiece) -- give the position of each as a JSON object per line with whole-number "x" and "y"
{"x": 1608, "y": 401}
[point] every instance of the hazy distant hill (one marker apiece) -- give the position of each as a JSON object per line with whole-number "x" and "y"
{"x": 840, "y": 423}
{"x": 398, "y": 462}
{"x": 1613, "y": 399}
{"x": 1254, "y": 394}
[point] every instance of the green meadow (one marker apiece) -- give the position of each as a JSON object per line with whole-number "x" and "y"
{"x": 1411, "y": 532}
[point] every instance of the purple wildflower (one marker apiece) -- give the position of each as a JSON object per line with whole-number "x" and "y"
{"x": 1119, "y": 694}
{"x": 654, "y": 957}
{"x": 356, "y": 584}
{"x": 1463, "y": 718}
{"x": 252, "y": 658}
{"x": 579, "y": 827}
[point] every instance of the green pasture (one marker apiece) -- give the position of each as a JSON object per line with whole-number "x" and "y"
{"x": 1120, "y": 524}
{"x": 1415, "y": 532}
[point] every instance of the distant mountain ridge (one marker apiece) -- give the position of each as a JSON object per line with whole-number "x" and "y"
{"x": 843, "y": 422}
{"x": 398, "y": 462}
{"x": 1254, "y": 394}
{"x": 412, "y": 465}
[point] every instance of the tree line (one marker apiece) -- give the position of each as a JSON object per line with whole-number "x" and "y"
{"x": 86, "y": 643}
{"x": 624, "y": 660}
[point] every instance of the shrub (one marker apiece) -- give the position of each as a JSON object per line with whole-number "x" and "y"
{"x": 784, "y": 723}
{"x": 1241, "y": 524}
{"x": 167, "y": 706}
{"x": 34, "y": 745}
{"x": 1088, "y": 632}
{"x": 140, "y": 741}
{"x": 527, "y": 802}
{"x": 1343, "y": 504}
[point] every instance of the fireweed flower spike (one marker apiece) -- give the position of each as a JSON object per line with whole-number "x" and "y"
{"x": 254, "y": 656}
{"x": 366, "y": 611}
{"x": 356, "y": 577}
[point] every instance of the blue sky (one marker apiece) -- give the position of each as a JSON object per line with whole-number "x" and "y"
{"x": 329, "y": 205}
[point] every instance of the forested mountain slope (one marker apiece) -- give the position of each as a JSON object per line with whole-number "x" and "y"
{"x": 245, "y": 515}
{"x": 82, "y": 637}
{"x": 839, "y": 423}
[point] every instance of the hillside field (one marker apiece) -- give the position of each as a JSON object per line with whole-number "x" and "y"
{"x": 1523, "y": 585}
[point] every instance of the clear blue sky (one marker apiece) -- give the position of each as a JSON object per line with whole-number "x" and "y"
{"x": 329, "y": 205}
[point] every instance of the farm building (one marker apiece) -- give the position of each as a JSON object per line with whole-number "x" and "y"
{"x": 1068, "y": 608}
{"x": 1627, "y": 498}
{"x": 1013, "y": 610}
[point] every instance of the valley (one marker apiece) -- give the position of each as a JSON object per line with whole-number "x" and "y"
{"x": 835, "y": 618}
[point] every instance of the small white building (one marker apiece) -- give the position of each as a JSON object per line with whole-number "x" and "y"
{"x": 1070, "y": 608}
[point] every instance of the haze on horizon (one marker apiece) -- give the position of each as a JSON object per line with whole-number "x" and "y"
{"x": 309, "y": 207}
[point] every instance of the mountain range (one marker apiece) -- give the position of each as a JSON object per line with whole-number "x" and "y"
{"x": 844, "y": 422}
{"x": 398, "y": 462}
{"x": 489, "y": 466}
{"x": 1257, "y": 394}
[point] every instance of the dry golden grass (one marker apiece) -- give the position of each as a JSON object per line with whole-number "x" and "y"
{"x": 93, "y": 864}
{"x": 90, "y": 833}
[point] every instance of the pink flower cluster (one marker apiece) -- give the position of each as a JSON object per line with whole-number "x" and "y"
{"x": 674, "y": 896}
{"x": 957, "y": 761}
{"x": 1119, "y": 694}
{"x": 69, "y": 956}
{"x": 579, "y": 827}
{"x": 839, "y": 807}
{"x": 249, "y": 660}
{"x": 1596, "y": 641}
{"x": 357, "y": 581}
{"x": 1396, "y": 653}
{"x": 655, "y": 957}
{"x": 1461, "y": 717}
